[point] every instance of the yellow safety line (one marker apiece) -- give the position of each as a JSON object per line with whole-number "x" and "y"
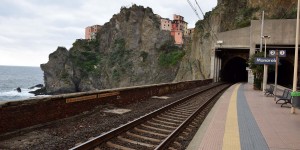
{"x": 231, "y": 139}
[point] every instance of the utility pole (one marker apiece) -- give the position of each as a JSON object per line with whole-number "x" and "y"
{"x": 262, "y": 30}
{"x": 296, "y": 56}
{"x": 276, "y": 75}
{"x": 265, "y": 78}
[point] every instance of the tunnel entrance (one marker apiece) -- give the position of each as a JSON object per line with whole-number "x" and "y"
{"x": 285, "y": 73}
{"x": 235, "y": 70}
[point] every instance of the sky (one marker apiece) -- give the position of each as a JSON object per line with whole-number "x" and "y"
{"x": 32, "y": 29}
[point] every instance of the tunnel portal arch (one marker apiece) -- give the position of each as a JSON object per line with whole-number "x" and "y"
{"x": 234, "y": 70}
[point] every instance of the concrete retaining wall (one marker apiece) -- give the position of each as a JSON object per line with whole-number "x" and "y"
{"x": 21, "y": 114}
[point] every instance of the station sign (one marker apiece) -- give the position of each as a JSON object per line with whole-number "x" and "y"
{"x": 264, "y": 61}
{"x": 281, "y": 53}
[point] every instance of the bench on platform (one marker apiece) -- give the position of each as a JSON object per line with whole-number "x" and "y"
{"x": 269, "y": 91}
{"x": 286, "y": 97}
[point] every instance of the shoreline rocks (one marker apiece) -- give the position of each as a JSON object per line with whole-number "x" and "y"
{"x": 41, "y": 91}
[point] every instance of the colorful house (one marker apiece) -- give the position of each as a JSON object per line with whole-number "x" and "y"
{"x": 177, "y": 26}
{"x": 165, "y": 24}
{"x": 190, "y": 32}
{"x": 91, "y": 31}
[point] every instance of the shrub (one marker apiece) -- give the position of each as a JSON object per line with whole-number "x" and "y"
{"x": 170, "y": 59}
{"x": 256, "y": 69}
{"x": 245, "y": 17}
{"x": 86, "y": 60}
{"x": 257, "y": 83}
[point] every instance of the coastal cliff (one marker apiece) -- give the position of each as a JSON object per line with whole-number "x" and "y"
{"x": 129, "y": 50}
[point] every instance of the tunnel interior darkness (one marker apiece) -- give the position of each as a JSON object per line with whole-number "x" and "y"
{"x": 235, "y": 70}
{"x": 285, "y": 73}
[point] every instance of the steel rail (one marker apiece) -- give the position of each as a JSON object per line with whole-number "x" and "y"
{"x": 167, "y": 141}
{"x": 92, "y": 143}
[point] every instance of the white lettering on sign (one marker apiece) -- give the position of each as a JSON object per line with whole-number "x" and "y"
{"x": 266, "y": 60}
{"x": 272, "y": 52}
{"x": 282, "y": 53}
{"x": 261, "y": 60}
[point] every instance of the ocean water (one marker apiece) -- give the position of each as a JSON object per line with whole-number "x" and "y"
{"x": 12, "y": 77}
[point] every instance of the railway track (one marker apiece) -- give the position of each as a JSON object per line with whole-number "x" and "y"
{"x": 161, "y": 129}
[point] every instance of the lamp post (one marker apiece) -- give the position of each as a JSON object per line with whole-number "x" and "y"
{"x": 265, "y": 37}
{"x": 219, "y": 43}
{"x": 296, "y": 56}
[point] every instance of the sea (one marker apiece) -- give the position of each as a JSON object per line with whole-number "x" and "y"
{"x": 12, "y": 77}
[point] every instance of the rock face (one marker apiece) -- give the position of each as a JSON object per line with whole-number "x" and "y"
{"x": 227, "y": 15}
{"x": 132, "y": 50}
{"x": 57, "y": 72}
{"x": 129, "y": 50}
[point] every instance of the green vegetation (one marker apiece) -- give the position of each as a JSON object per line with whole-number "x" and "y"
{"x": 170, "y": 55}
{"x": 243, "y": 23}
{"x": 256, "y": 69}
{"x": 86, "y": 60}
{"x": 119, "y": 55}
{"x": 283, "y": 13}
{"x": 83, "y": 55}
{"x": 119, "y": 59}
{"x": 169, "y": 46}
{"x": 87, "y": 45}
{"x": 295, "y": 94}
{"x": 167, "y": 59}
{"x": 245, "y": 17}
{"x": 200, "y": 25}
{"x": 292, "y": 14}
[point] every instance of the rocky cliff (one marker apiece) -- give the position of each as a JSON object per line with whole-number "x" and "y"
{"x": 132, "y": 50}
{"x": 227, "y": 15}
{"x": 129, "y": 50}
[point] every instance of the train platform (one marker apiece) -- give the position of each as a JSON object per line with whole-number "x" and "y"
{"x": 246, "y": 119}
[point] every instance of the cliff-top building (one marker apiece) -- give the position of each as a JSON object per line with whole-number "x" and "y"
{"x": 177, "y": 26}
{"x": 91, "y": 31}
{"x": 190, "y": 32}
{"x": 165, "y": 24}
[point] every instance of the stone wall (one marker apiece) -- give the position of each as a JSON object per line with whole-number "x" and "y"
{"x": 21, "y": 114}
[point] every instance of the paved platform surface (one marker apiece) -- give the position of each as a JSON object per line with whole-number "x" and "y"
{"x": 245, "y": 119}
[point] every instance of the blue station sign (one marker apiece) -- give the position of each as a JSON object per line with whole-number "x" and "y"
{"x": 264, "y": 61}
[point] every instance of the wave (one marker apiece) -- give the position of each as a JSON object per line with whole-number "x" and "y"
{"x": 15, "y": 95}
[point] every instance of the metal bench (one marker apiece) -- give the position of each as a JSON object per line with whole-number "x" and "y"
{"x": 286, "y": 97}
{"x": 269, "y": 91}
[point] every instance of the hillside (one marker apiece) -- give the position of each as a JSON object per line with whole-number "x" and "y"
{"x": 227, "y": 15}
{"x": 131, "y": 49}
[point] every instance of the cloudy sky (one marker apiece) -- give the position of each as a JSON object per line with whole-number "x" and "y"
{"x": 32, "y": 29}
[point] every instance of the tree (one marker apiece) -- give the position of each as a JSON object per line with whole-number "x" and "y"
{"x": 257, "y": 69}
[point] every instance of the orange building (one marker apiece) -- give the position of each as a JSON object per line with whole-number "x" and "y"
{"x": 179, "y": 29}
{"x": 180, "y": 23}
{"x": 178, "y": 37}
{"x": 177, "y": 26}
{"x": 91, "y": 31}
